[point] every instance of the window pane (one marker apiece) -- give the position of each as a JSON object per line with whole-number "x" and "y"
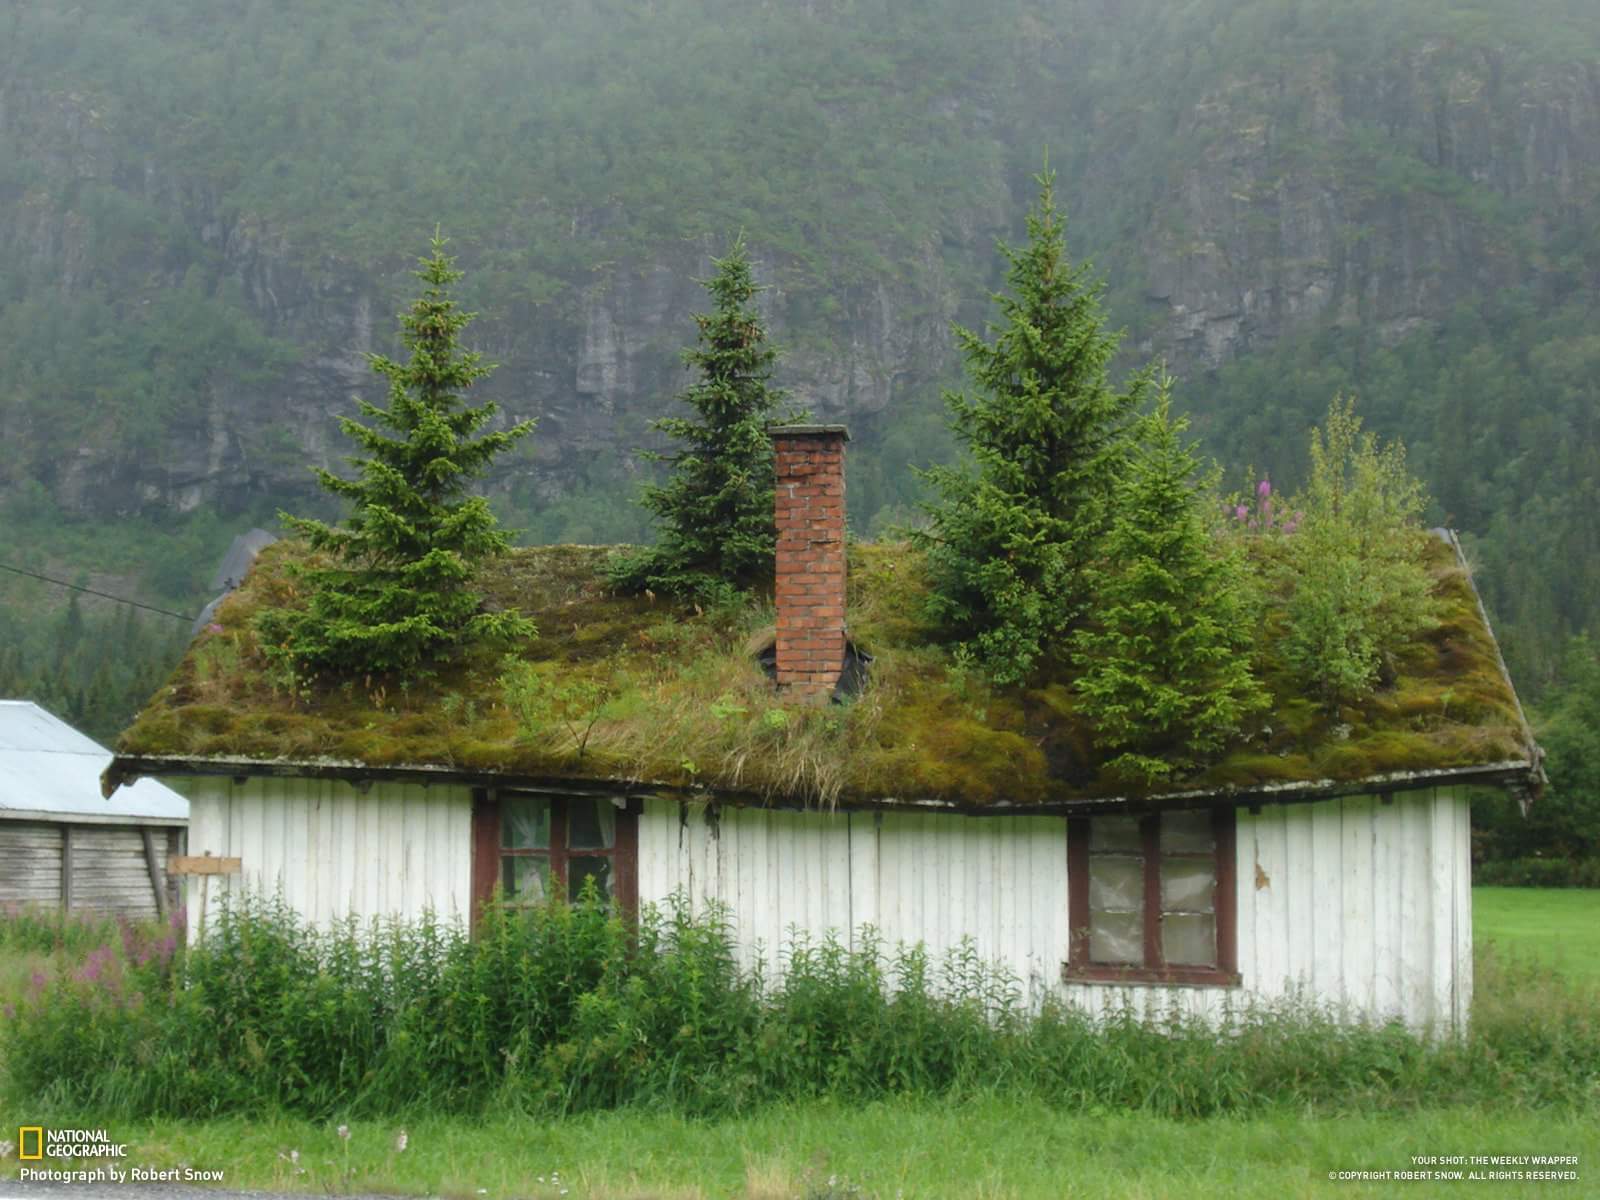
{"x": 1187, "y": 885}
{"x": 1116, "y": 883}
{"x": 1116, "y": 937}
{"x": 593, "y": 824}
{"x": 525, "y": 823}
{"x": 587, "y": 866}
{"x": 1189, "y": 940}
{"x": 525, "y": 879}
{"x": 1115, "y": 833}
{"x": 1186, "y": 833}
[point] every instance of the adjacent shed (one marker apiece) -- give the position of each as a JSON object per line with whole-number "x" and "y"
{"x": 61, "y": 843}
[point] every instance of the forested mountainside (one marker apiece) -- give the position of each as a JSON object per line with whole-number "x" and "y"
{"x": 208, "y": 212}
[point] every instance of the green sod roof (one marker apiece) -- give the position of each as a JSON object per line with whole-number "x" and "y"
{"x": 640, "y": 692}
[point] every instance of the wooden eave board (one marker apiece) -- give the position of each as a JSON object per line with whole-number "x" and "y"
{"x": 1514, "y": 774}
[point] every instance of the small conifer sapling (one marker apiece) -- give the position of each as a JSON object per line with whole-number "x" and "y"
{"x": 715, "y": 510}
{"x": 399, "y": 591}
{"x": 1164, "y": 674}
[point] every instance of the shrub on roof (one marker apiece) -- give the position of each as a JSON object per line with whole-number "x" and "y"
{"x": 1360, "y": 587}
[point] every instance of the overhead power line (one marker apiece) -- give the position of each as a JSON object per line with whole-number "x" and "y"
{"x": 91, "y": 591}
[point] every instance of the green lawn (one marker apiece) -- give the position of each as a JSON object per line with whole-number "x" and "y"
{"x": 983, "y": 1148}
{"x": 1559, "y": 927}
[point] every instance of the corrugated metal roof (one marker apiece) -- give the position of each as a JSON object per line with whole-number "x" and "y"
{"x": 48, "y": 767}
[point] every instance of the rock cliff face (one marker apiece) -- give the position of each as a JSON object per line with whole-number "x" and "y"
{"x": 1379, "y": 196}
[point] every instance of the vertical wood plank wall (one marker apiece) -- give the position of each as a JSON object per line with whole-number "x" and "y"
{"x": 1352, "y": 904}
{"x": 331, "y": 850}
{"x": 1361, "y": 905}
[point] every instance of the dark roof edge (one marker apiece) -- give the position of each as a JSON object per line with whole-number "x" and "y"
{"x": 809, "y": 430}
{"x": 1535, "y": 753}
{"x": 1521, "y": 777}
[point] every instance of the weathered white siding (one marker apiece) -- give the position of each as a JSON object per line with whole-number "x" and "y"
{"x": 912, "y": 877}
{"x": 1353, "y": 904}
{"x": 331, "y": 850}
{"x": 1360, "y": 905}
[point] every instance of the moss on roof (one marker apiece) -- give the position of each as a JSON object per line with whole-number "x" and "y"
{"x": 627, "y": 688}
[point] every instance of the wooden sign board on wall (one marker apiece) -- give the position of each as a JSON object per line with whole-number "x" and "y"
{"x": 195, "y": 864}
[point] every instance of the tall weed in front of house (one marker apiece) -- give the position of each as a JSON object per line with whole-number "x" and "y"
{"x": 34, "y": 928}
{"x": 561, "y": 1009}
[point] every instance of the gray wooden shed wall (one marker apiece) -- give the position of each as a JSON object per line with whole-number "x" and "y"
{"x": 109, "y": 872}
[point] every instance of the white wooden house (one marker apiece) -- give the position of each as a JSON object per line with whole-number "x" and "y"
{"x": 64, "y": 845}
{"x": 1330, "y": 875}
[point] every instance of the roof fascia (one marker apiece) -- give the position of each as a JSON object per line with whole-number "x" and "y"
{"x": 1517, "y": 776}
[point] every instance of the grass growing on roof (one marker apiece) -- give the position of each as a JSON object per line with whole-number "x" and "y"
{"x": 631, "y": 688}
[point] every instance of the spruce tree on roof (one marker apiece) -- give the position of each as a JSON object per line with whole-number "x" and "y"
{"x": 715, "y": 511}
{"x": 399, "y": 592}
{"x": 1011, "y": 534}
{"x": 1164, "y": 663}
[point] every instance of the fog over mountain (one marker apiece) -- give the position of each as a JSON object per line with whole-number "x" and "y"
{"x": 208, "y": 212}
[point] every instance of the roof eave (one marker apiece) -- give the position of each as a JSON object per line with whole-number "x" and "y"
{"x": 57, "y": 817}
{"x": 1519, "y": 776}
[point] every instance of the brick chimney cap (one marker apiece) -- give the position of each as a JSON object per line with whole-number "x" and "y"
{"x": 809, "y": 431}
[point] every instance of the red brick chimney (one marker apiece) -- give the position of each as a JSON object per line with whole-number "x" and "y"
{"x": 810, "y": 579}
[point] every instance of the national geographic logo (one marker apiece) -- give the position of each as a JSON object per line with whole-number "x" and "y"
{"x": 35, "y": 1142}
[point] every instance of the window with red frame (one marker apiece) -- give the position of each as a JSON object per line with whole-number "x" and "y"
{"x": 535, "y": 846}
{"x": 1151, "y": 898}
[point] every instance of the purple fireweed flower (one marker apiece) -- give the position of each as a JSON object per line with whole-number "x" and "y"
{"x": 1241, "y": 513}
{"x": 213, "y": 628}
{"x": 95, "y": 965}
{"x": 1264, "y": 488}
